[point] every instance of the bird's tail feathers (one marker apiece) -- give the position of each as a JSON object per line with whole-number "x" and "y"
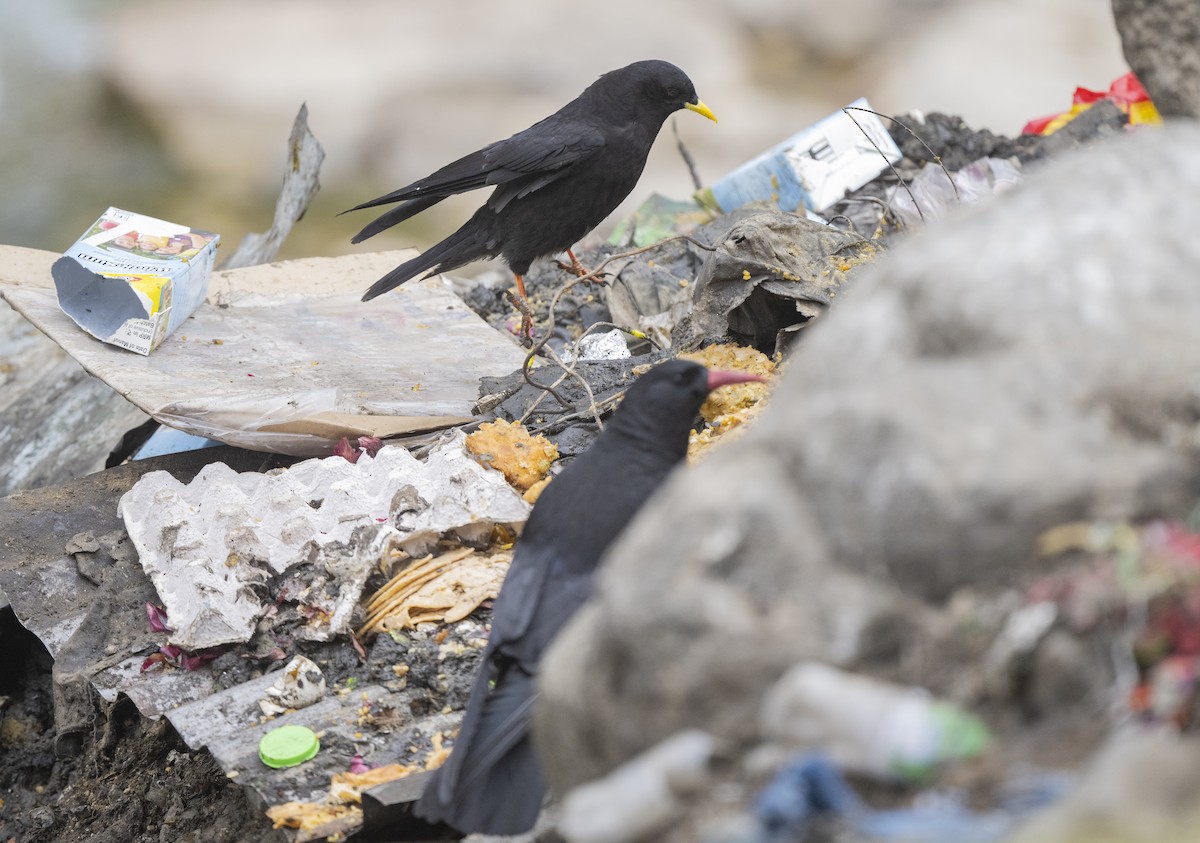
{"x": 461, "y": 247}
{"x": 393, "y": 216}
{"x": 513, "y": 727}
{"x": 386, "y": 199}
{"x": 492, "y": 782}
{"x": 470, "y": 172}
{"x": 447, "y": 777}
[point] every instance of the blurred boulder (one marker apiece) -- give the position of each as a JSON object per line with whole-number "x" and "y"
{"x": 1141, "y": 786}
{"x": 1024, "y": 364}
{"x": 1159, "y": 38}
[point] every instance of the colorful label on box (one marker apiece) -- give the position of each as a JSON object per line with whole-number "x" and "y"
{"x": 814, "y": 168}
{"x": 131, "y": 279}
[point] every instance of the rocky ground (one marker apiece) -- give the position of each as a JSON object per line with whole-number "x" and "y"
{"x": 134, "y": 780}
{"x": 164, "y": 790}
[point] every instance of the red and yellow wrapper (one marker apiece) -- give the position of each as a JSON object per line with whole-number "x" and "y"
{"x": 1126, "y": 92}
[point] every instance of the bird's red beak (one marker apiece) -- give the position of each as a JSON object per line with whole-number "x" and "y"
{"x": 718, "y": 378}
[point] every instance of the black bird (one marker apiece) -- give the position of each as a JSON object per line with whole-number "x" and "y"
{"x": 555, "y": 181}
{"x": 492, "y": 782}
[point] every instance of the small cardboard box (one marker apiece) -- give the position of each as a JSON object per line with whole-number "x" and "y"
{"x": 812, "y": 169}
{"x": 132, "y": 279}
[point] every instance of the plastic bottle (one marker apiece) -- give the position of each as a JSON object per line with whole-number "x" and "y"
{"x": 868, "y": 725}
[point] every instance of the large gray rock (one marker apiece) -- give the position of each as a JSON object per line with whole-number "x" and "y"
{"x": 1141, "y": 786}
{"x": 1159, "y": 38}
{"x": 1031, "y": 362}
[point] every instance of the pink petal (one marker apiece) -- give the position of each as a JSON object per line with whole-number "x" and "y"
{"x": 157, "y": 616}
{"x": 357, "y": 765}
{"x": 344, "y": 449}
{"x": 199, "y": 658}
{"x": 154, "y": 660}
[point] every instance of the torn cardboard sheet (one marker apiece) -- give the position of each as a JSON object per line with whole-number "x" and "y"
{"x": 285, "y": 358}
{"x": 314, "y": 531}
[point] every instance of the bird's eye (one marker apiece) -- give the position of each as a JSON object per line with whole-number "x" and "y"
{"x": 672, "y": 93}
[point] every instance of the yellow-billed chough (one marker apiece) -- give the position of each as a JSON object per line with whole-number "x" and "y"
{"x": 555, "y": 181}
{"x": 492, "y": 782}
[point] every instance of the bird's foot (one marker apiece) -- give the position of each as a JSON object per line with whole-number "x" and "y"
{"x": 525, "y": 331}
{"x": 578, "y": 269}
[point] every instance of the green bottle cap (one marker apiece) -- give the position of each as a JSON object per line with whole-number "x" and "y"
{"x": 288, "y": 746}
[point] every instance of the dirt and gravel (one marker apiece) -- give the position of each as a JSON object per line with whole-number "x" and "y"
{"x": 135, "y": 781}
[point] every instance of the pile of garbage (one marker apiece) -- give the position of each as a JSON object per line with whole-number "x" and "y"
{"x": 938, "y": 580}
{"x": 947, "y": 588}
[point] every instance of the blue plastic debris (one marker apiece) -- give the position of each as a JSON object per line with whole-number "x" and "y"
{"x": 810, "y": 786}
{"x": 813, "y": 787}
{"x": 167, "y": 440}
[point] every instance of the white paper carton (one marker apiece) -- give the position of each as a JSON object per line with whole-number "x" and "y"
{"x": 812, "y": 169}
{"x": 132, "y": 279}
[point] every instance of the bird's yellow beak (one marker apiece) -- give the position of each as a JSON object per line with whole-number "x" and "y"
{"x": 700, "y": 108}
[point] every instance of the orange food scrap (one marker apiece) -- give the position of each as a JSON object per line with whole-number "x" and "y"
{"x": 510, "y": 448}
{"x": 348, "y": 787}
{"x": 438, "y": 755}
{"x": 531, "y": 494}
{"x": 308, "y": 815}
{"x": 736, "y": 358}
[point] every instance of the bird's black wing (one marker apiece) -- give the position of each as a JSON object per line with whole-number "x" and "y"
{"x": 538, "y": 156}
{"x": 491, "y": 780}
{"x": 524, "y": 625}
{"x": 543, "y": 151}
{"x": 521, "y": 595}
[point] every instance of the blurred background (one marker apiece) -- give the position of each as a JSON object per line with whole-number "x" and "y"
{"x": 182, "y": 111}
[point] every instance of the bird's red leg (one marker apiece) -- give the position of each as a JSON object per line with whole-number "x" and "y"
{"x": 576, "y": 267}
{"x": 525, "y": 332}
{"x": 521, "y": 302}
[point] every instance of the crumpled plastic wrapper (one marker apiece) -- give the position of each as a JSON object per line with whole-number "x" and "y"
{"x": 769, "y": 275}
{"x": 609, "y": 345}
{"x": 211, "y": 546}
{"x": 937, "y": 192}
